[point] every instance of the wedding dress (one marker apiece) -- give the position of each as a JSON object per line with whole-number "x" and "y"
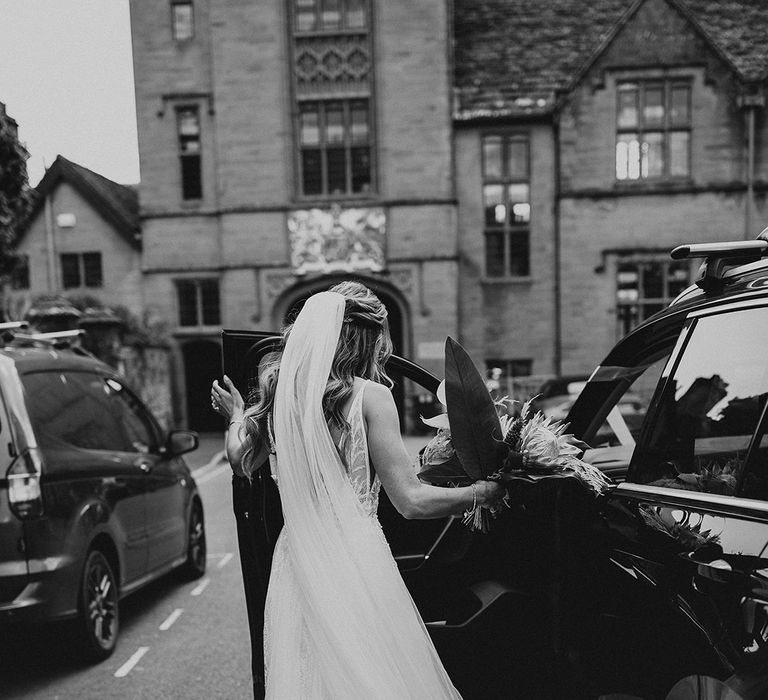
{"x": 339, "y": 621}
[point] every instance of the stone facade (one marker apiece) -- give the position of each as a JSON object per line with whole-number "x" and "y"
{"x": 237, "y": 73}
{"x": 441, "y": 77}
{"x": 603, "y": 220}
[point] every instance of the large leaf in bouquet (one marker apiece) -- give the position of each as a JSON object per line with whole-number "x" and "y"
{"x": 475, "y": 427}
{"x": 448, "y": 473}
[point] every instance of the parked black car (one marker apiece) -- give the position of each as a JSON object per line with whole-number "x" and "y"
{"x": 95, "y": 499}
{"x": 683, "y": 559}
{"x": 664, "y": 582}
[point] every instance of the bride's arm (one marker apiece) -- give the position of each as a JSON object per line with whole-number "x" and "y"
{"x": 229, "y": 403}
{"x": 411, "y": 497}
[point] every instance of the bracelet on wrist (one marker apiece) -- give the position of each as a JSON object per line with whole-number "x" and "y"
{"x": 234, "y": 420}
{"x": 474, "y": 499}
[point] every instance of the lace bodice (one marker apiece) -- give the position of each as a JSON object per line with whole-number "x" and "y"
{"x": 354, "y": 453}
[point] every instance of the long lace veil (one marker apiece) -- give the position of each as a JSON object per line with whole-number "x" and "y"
{"x": 360, "y": 619}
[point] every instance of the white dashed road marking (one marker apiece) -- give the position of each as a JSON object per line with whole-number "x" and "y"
{"x": 127, "y": 667}
{"x": 225, "y": 560}
{"x": 197, "y": 590}
{"x": 171, "y": 619}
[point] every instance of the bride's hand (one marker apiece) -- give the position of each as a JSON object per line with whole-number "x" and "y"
{"x": 226, "y": 400}
{"x": 490, "y": 493}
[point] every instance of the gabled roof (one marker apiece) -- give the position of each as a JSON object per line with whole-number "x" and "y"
{"x": 512, "y": 56}
{"x": 740, "y": 29}
{"x": 118, "y": 204}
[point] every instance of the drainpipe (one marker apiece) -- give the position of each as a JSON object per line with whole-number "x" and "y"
{"x": 750, "y": 100}
{"x": 558, "y": 331}
{"x": 216, "y": 170}
{"x": 750, "y": 172}
{"x": 50, "y": 245}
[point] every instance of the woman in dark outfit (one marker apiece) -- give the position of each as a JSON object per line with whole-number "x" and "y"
{"x": 259, "y": 519}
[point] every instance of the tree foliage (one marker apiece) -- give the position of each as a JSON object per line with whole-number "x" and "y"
{"x": 15, "y": 193}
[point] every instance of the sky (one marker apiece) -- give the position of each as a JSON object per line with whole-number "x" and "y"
{"x": 66, "y": 77}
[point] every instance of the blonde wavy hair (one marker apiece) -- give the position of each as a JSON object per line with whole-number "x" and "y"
{"x": 363, "y": 349}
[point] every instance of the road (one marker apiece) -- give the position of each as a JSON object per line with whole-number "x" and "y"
{"x": 177, "y": 639}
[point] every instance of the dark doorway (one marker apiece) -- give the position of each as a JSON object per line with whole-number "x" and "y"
{"x": 202, "y": 364}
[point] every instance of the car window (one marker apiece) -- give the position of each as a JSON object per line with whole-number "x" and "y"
{"x": 622, "y": 424}
{"x": 710, "y": 406}
{"x": 133, "y": 417}
{"x": 83, "y": 410}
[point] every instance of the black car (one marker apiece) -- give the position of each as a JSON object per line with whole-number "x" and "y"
{"x": 683, "y": 539}
{"x": 95, "y": 498}
{"x": 661, "y": 584}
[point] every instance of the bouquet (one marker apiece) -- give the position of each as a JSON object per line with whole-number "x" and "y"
{"x": 475, "y": 442}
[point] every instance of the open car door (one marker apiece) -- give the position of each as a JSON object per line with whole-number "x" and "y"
{"x": 426, "y": 551}
{"x": 486, "y": 599}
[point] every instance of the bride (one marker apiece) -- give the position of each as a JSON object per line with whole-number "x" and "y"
{"x": 339, "y": 621}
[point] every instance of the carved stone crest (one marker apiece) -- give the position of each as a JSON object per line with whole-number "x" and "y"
{"x": 337, "y": 240}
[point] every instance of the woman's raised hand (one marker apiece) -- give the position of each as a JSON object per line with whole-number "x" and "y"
{"x": 226, "y": 400}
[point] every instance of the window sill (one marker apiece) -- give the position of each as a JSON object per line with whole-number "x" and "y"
{"x": 506, "y": 280}
{"x": 333, "y": 31}
{"x": 324, "y": 200}
{"x": 655, "y": 183}
{"x": 191, "y": 331}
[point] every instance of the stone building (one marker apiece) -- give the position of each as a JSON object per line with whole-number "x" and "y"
{"x": 81, "y": 238}
{"x": 508, "y": 172}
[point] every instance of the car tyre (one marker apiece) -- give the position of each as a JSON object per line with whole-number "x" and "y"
{"x": 99, "y": 620}
{"x": 194, "y": 567}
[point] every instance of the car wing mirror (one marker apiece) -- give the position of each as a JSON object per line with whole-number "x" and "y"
{"x": 180, "y": 442}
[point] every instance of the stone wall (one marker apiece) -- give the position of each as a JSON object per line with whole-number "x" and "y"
{"x": 147, "y": 370}
{"x": 507, "y": 318}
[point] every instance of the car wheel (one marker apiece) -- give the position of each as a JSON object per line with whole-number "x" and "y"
{"x": 99, "y": 619}
{"x": 194, "y": 566}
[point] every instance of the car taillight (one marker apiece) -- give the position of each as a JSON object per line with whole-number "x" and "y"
{"x": 24, "y": 494}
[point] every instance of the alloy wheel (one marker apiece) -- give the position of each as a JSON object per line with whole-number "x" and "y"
{"x": 100, "y": 612}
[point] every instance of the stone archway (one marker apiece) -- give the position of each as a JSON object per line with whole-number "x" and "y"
{"x": 398, "y": 309}
{"x": 398, "y": 312}
{"x": 202, "y": 364}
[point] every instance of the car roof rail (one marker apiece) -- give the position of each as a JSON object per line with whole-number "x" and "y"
{"x": 8, "y": 329}
{"x": 55, "y": 339}
{"x": 718, "y": 257}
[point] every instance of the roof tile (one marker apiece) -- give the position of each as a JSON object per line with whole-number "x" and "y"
{"x": 511, "y": 56}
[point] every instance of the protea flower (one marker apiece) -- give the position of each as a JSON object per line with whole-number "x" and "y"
{"x": 438, "y": 450}
{"x": 545, "y": 440}
{"x": 545, "y": 443}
